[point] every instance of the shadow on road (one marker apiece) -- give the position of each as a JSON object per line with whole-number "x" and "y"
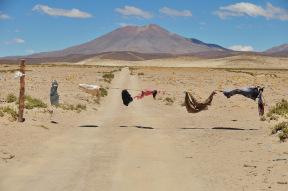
{"x": 219, "y": 128}
{"x": 137, "y": 126}
{"x": 233, "y": 129}
{"x": 88, "y": 126}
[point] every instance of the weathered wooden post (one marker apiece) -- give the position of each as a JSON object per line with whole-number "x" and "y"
{"x": 22, "y": 92}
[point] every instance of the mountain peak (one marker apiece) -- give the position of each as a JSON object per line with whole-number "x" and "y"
{"x": 149, "y": 26}
{"x": 153, "y": 26}
{"x": 144, "y": 28}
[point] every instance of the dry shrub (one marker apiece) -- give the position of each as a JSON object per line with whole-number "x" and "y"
{"x": 169, "y": 101}
{"x": 78, "y": 107}
{"x": 103, "y": 92}
{"x": 31, "y": 103}
{"x": 282, "y": 129}
{"x": 11, "y": 98}
{"x": 108, "y": 77}
{"x": 280, "y": 109}
{"x": 10, "y": 111}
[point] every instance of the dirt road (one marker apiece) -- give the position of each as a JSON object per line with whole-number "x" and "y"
{"x": 150, "y": 146}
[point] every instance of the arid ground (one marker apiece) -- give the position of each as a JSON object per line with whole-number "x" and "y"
{"x": 151, "y": 144}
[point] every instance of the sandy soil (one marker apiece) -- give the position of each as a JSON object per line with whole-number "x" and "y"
{"x": 239, "y": 61}
{"x": 148, "y": 145}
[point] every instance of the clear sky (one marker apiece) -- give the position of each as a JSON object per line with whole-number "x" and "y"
{"x": 30, "y": 26}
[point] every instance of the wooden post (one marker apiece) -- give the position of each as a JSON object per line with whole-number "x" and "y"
{"x": 22, "y": 92}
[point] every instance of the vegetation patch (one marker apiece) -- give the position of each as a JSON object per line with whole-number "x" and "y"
{"x": 116, "y": 70}
{"x": 1, "y": 113}
{"x": 78, "y": 107}
{"x": 263, "y": 118}
{"x": 280, "y": 109}
{"x": 273, "y": 117}
{"x": 103, "y": 92}
{"x": 9, "y": 71}
{"x": 10, "y": 111}
{"x": 169, "y": 101}
{"x": 11, "y": 98}
{"x": 31, "y": 103}
{"x": 242, "y": 72}
{"x": 108, "y": 77}
{"x": 282, "y": 129}
{"x": 12, "y": 70}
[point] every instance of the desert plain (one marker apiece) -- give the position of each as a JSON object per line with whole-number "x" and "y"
{"x": 153, "y": 144}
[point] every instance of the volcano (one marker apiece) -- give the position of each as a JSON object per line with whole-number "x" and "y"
{"x": 149, "y": 39}
{"x": 132, "y": 43}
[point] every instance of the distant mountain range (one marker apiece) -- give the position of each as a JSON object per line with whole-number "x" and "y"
{"x": 281, "y": 50}
{"x": 139, "y": 43}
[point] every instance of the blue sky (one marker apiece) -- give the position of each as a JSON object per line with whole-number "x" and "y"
{"x": 30, "y": 26}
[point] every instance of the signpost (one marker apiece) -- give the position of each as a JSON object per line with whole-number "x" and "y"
{"x": 22, "y": 92}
